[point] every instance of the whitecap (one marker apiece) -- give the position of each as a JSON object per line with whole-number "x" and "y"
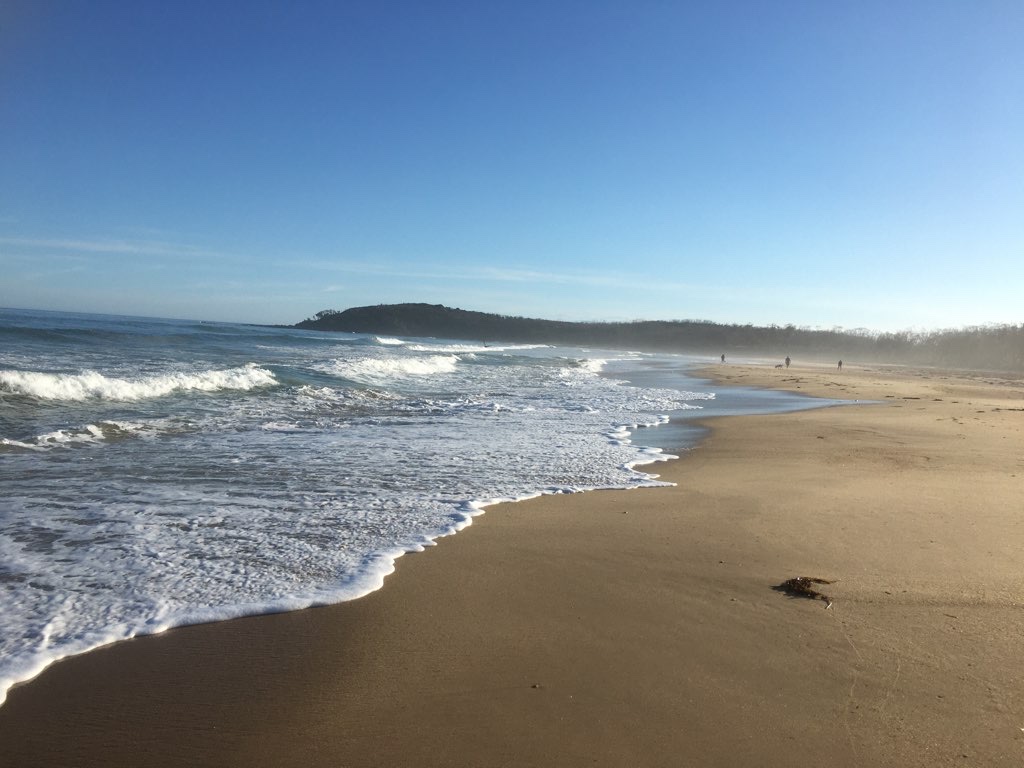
{"x": 376, "y": 368}
{"x": 467, "y": 348}
{"x": 94, "y": 385}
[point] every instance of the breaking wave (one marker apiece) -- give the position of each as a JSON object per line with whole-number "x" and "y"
{"x": 467, "y": 348}
{"x": 376, "y": 369}
{"x": 93, "y": 385}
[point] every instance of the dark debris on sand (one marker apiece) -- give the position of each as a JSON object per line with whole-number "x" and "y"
{"x": 802, "y": 586}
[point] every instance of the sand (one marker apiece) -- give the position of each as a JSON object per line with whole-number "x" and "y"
{"x": 635, "y": 628}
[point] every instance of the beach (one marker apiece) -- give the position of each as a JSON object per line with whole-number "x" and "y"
{"x": 636, "y": 627}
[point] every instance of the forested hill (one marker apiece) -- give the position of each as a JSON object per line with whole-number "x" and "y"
{"x": 983, "y": 348}
{"x": 435, "y": 320}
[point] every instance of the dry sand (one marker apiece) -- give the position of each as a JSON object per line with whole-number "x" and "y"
{"x": 635, "y": 628}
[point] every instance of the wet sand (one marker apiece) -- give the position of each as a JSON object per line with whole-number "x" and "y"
{"x": 635, "y": 628}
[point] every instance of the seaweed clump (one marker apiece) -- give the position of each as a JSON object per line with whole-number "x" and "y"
{"x": 803, "y": 586}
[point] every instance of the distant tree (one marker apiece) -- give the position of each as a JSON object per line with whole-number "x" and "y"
{"x": 997, "y": 347}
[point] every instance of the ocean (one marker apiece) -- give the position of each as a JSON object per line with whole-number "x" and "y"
{"x": 155, "y": 473}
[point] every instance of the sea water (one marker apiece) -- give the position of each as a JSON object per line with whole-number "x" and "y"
{"x": 155, "y": 473}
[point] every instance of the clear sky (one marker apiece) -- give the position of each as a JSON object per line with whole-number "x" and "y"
{"x": 822, "y": 163}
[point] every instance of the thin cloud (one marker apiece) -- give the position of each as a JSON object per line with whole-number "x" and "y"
{"x": 133, "y": 247}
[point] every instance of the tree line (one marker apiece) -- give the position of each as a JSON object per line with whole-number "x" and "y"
{"x": 989, "y": 347}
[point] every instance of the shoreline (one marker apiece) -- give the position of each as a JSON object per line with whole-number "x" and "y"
{"x": 634, "y": 626}
{"x": 377, "y": 566}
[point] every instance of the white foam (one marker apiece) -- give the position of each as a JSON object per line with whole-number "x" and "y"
{"x": 88, "y": 433}
{"x": 388, "y": 342}
{"x": 91, "y": 384}
{"x": 378, "y": 368}
{"x": 58, "y": 438}
{"x": 468, "y": 348}
{"x": 330, "y": 394}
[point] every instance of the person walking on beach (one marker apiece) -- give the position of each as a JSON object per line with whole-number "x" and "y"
{"x": 840, "y": 365}
{"x": 787, "y": 361}
{"x": 723, "y": 358}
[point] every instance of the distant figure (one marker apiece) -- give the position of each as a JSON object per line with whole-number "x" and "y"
{"x": 787, "y": 361}
{"x": 840, "y": 365}
{"x": 723, "y": 358}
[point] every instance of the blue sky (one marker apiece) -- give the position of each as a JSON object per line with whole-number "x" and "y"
{"x": 854, "y": 164}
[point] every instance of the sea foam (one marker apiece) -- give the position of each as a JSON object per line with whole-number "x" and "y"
{"x": 377, "y": 368}
{"x": 91, "y": 384}
{"x": 85, "y": 434}
{"x": 474, "y": 348}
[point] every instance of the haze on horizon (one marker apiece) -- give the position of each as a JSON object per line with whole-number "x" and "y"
{"x": 806, "y": 163}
